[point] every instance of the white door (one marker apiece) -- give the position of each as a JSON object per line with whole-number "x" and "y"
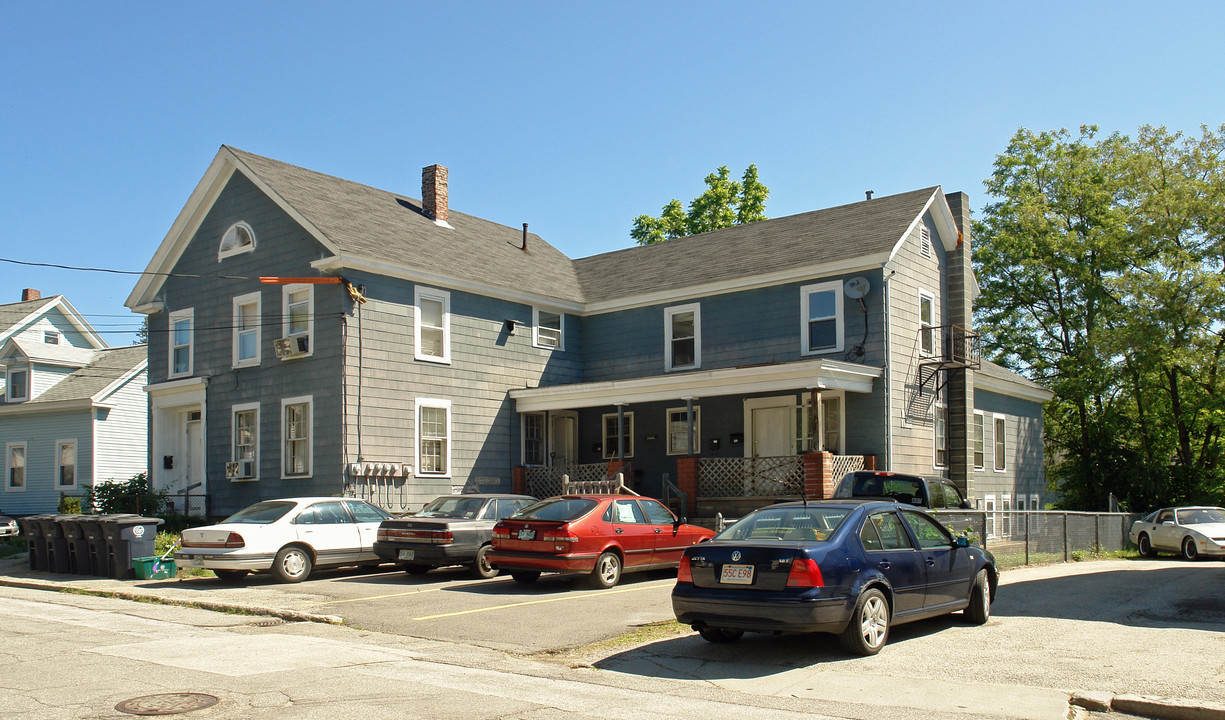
{"x": 193, "y": 456}
{"x": 771, "y": 432}
{"x": 563, "y": 439}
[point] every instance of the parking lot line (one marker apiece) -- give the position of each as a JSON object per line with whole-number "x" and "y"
{"x": 535, "y": 602}
{"x": 373, "y": 597}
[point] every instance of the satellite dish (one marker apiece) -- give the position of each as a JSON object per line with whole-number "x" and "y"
{"x": 856, "y": 287}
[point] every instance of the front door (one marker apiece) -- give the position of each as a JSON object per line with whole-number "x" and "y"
{"x": 771, "y": 432}
{"x": 563, "y": 438}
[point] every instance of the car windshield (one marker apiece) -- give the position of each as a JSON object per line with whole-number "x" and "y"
{"x": 787, "y": 523}
{"x": 556, "y": 509}
{"x": 452, "y": 507}
{"x": 261, "y": 513}
{"x": 1199, "y": 516}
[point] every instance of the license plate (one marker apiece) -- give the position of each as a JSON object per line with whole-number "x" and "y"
{"x": 407, "y": 554}
{"x": 527, "y": 534}
{"x": 737, "y": 575}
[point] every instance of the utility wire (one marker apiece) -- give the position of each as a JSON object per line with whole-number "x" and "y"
{"x": 29, "y": 263}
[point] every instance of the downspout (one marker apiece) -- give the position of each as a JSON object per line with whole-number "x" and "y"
{"x": 888, "y": 464}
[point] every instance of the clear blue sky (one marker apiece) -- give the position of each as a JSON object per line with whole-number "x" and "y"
{"x": 573, "y": 117}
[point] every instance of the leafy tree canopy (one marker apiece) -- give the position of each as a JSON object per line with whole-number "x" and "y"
{"x": 725, "y": 202}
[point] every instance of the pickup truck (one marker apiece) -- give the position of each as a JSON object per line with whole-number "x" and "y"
{"x": 452, "y": 530}
{"x": 933, "y": 493}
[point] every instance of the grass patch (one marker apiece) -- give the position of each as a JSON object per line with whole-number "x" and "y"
{"x": 640, "y": 635}
{"x": 14, "y": 546}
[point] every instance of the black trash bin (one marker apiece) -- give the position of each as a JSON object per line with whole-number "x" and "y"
{"x": 57, "y": 544}
{"x": 128, "y": 537}
{"x": 33, "y": 528}
{"x": 78, "y": 545}
{"x": 95, "y": 540}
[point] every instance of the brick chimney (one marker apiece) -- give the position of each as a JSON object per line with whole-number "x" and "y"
{"x": 30, "y": 294}
{"x": 434, "y": 192}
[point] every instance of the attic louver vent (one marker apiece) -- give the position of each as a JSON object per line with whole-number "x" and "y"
{"x": 925, "y": 242}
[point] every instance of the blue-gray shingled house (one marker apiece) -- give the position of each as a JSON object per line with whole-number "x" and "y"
{"x": 399, "y": 350}
{"x": 73, "y": 411}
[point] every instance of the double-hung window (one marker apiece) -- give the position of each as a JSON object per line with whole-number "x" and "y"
{"x": 940, "y": 438}
{"x": 65, "y": 464}
{"x": 548, "y": 329}
{"x": 434, "y": 437}
{"x": 927, "y": 324}
{"x": 1001, "y": 447}
{"x": 610, "y": 436}
{"x": 683, "y": 326}
{"x": 678, "y": 430}
{"x": 432, "y": 329}
{"x": 15, "y": 466}
{"x": 821, "y": 318}
{"x": 182, "y": 338}
{"x": 533, "y": 438}
{"x": 298, "y": 317}
{"x": 246, "y": 330}
{"x": 245, "y": 435}
{"x": 17, "y": 384}
{"x": 979, "y": 441}
{"x": 297, "y": 437}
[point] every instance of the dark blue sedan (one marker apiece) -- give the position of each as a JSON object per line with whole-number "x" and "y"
{"x": 847, "y": 567}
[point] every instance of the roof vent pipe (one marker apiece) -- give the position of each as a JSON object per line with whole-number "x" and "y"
{"x": 868, "y": 194}
{"x": 524, "y": 248}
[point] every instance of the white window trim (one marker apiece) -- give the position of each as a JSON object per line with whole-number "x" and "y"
{"x": 925, "y": 243}
{"x": 1034, "y": 502}
{"x": 937, "y": 409}
{"x": 240, "y": 301}
{"x": 979, "y": 415}
{"x": 445, "y": 297}
{"x": 834, "y": 286}
{"x": 561, "y": 337}
{"x": 544, "y": 438}
{"x": 669, "y": 313}
{"x": 995, "y": 455}
{"x": 190, "y": 315}
{"x": 697, "y": 429}
{"x": 246, "y": 407}
{"x": 223, "y": 253}
{"x": 990, "y": 511}
{"x": 928, "y": 327}
{"x": 8, "y": 467}
{"x": 309, "y": 401}
{"x": 431, "y": 403}
{"x": 8, "y": 383}
{"x": 607, "y": 449}
{"x": 51, "y": 337}
{"x": 76, "y": 462}
{"x": 1006, "y": 515}
{"x": 286, "y": 291}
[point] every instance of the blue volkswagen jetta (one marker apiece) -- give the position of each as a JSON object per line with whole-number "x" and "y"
{"x": 848, "y": 567}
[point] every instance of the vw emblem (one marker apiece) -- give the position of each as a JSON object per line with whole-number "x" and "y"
{"x": 735, "y": 556}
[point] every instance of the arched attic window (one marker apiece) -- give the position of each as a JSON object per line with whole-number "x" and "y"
{"x": 239, "y": 238}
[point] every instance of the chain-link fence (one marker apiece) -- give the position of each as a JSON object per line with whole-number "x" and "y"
{"x": 1026, "y": 537}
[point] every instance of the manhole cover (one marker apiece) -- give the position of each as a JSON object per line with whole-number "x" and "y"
{"x": 167, "y": 704}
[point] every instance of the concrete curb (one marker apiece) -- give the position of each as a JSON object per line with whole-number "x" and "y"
{"x": 292, "y": 615}
{"x": 1162, "y": 708}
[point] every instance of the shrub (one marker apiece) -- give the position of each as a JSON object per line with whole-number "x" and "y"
{"x": 70, "y": 505}
{"x": 131, "y": 496}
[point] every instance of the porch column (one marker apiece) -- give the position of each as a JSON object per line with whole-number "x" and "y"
{"x": 818, "y": 475}
{"x": 518, "y": 481}
{"x": 687, "y": 472}
{"x": 620, "y": 431}
{"x": 689, "y": 422}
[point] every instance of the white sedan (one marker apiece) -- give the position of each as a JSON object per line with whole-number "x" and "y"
{"x": 288, "y": 537}
{"x": 1191, "y": 531}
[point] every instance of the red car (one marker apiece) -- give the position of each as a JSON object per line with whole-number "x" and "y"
{"x": 601, "y": 535}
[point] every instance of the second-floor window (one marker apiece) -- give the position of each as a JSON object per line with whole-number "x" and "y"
{"x": 432, "y": 329}
{"x": 821, "y": 317}
{"x": 979, "y": 444}
{"x": 683, "y": 326}
{"x": 298, "y": 320}
{"x": 548, "y": 329}
{"x": 246, "y": 329}
{"x": 181, "y": 341}
{"x": 927, "y": 324}
{"x": 17, "y": 384}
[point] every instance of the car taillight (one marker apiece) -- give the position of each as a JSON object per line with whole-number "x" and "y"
{"x": 805, "y": 573}
{"x": 501, "y": 533}
{"x": 233, "y": 540}
{"x": 566, "y": 537}
{"x": 684, "y": 572}
{"x": 437, "y": 537}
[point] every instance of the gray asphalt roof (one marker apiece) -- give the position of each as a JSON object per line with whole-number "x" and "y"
{"x": 12, "y": 313}
{"x": 1000, "y": 372}
{"x": 366, "y": 222}
{"x": 107, "y": 366}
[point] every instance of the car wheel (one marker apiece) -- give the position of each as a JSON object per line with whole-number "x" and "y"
{"x": 868, "y": 629}
{"x": 979, "y": 609}
{"x": 481, "y": 568}
{"x": 607, "y": 572}
{"x": 417, "y": 569}
{"x": 230, "y": 576}
{"x": 527, "y": 577}
{"x": 719, "y": 635}
{"x": 1189, "y": 550}
{"x": 292, "y": 564}
{"x": 1146, "y": 545}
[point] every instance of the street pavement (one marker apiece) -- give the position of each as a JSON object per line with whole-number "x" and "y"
{"x": 1056, "y": 630}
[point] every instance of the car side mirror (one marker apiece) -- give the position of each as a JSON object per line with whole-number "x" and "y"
{"x": 680, "y": 521}
{"x": 965, "y": 505}
{"x": 961, "y": 541}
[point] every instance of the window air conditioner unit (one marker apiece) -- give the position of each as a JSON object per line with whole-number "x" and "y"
{"x": 240, "y": 469}
{"x": 288, "y": 347}
{"x": 231, "y": 469}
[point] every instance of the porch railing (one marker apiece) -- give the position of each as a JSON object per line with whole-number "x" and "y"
{"x": 750, "y": 477}
{"x": 844, "y": 464}
{"x": 547, "y": 481}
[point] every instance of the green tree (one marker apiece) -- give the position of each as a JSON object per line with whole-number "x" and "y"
{"x": 725, "y": 202}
